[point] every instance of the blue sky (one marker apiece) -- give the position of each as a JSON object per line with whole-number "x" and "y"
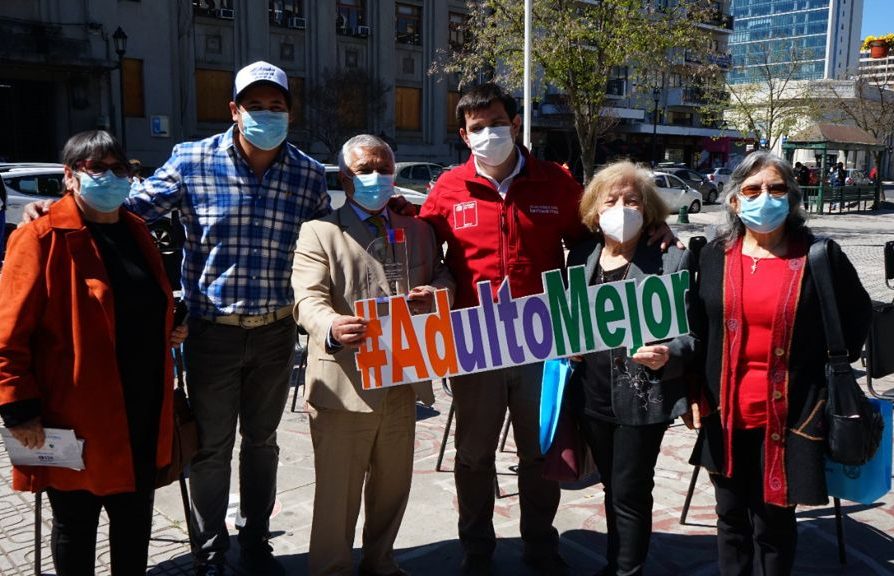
{"x": 878, "y": 17}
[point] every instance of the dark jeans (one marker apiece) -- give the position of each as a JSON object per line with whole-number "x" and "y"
{"x": 236, "y": 374}
{"x": 752, "y": 537}
{"x": 481, "y": 401}
{"x": 75, "y": 519}
{"x": 626, "y": 457}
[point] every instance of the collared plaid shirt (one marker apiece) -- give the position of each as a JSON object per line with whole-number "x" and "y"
{"x": 240, "y": 231}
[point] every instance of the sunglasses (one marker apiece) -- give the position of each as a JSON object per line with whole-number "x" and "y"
{"x": 96, "y": 168}
{"x": 753, "y": 191}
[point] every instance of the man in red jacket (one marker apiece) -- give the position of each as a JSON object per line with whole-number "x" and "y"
{"x": 502, "y": 214}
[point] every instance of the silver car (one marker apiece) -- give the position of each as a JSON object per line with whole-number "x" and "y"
{"x": 416, "y": 175}
{"x": 677, "y": 193}
{"x": 30, "y": 182}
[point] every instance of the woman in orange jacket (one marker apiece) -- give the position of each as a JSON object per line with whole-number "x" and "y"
{"x": 86, "y": 322}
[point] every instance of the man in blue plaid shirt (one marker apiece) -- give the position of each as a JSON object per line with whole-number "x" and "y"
{"x": 243, "y": 195}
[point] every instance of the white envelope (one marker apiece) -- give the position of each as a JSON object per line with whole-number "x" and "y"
{"x": 60, "y": 449}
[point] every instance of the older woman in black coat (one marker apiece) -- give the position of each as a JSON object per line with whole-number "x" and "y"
{"x": 757, "y": 320}
{"x": 628, "y": 396}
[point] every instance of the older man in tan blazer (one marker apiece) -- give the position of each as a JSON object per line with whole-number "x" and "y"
{"x": 363, "y": 439}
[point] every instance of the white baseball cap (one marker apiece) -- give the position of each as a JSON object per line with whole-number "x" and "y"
{"x": 260, "y": 72}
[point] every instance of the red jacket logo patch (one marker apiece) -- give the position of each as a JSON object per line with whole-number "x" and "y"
{"x": 465, "y": 215}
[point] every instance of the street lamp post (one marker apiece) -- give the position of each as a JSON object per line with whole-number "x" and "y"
{"x": 656, "y": 96}
{"x": 120, "y": 39}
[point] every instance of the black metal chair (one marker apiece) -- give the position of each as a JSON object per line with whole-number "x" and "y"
{"x": 300, "y": 367}
{"x": 445, "y": 383}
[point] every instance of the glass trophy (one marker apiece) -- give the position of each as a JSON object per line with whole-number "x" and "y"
{"x": 388, "y": 272}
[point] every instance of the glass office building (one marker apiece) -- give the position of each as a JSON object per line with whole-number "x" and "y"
{"x": 820, "y": 36}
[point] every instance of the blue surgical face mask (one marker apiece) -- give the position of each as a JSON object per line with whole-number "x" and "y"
{"x": 265, "y": 129}
{"x": 764, "y": 213}
{"x": 103, "y": 192}
{"x": 372, "y": 191}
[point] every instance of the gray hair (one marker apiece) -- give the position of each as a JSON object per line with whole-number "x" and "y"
{"x": 732, "y": 227}
{"x": 361, "y": 141}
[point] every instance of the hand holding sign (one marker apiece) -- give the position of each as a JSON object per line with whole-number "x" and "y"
{"x": 421, "y": 299}
{"x": 652, "y": 357}
{"x": 349, "y": 330}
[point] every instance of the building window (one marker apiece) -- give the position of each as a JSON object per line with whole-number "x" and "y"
{"x": 213, "y": 44}
{"x": 214, "y": 91}
{"x": 134, "y": 106}
{"x": 452, "y": 100}
{"x": 296, "y": 89}
{"x": 283, "y": 12}
{"x": 409, "y": 65}
{"x": 408, "y": 27}
{"x": 351, "y": 14}
{"x": 213, "y": 8}
{"x": 351, "y": 58}
{"x": 408, "y": 108}
{"x": 287, "y": 52}
{"x": 457, "y": 30}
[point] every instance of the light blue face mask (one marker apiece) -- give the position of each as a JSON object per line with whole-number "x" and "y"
{"x": 372, "y": 191}
{"x": 265, "y": 129}
{"x": 764, "y": 213}
{"x": 103, "y": 192}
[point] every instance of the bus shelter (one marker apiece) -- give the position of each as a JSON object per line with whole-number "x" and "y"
{"x": 822, "y": 138}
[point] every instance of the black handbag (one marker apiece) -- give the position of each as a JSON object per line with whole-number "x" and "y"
{"x": 854, "y": 425}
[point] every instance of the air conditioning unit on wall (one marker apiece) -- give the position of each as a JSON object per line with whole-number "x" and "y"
{"x": 297, "y": 23}
{"x": 225, "y": 13}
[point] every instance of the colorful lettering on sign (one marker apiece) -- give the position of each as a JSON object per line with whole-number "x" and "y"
{"x": 564, "y": 320}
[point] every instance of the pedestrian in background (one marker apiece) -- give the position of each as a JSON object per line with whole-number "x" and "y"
{"x": 756, "y": 317}
{"x": 86, "y": 318}
{"x": 627, "y": 398}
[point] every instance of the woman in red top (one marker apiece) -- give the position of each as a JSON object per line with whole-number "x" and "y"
{"x": 85, "y": 328}
{"x": 756, "y": 319}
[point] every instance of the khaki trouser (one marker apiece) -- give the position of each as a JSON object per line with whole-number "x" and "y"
{"x": 354, "y": 452}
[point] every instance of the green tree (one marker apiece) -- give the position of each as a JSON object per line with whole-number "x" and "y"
{"x": 341, "y": 104}
{"x": 772, "y": 104}
{"x": 576, "y": 45}
{"x": 868, "y": 104}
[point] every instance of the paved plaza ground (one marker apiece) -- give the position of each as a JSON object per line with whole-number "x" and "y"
{"x": 427, "y": 544}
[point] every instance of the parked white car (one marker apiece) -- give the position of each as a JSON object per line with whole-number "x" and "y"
{"x": 29, "y": 182}
{"x": 719, "y": 176}
{"x": 677, "y": 193}
{"x": 337, "y": 195}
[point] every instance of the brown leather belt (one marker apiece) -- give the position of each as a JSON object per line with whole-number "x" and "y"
{"x": 250, "y": 321}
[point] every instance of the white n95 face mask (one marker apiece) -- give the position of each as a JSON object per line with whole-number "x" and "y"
{"x": 492, "y": 146}
{"x": 621, "y": 223}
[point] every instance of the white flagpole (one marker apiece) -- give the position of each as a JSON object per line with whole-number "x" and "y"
{"x": 527, "y": 97}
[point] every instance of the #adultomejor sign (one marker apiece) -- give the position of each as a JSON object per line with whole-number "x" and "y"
{"x": 401, "y": 348}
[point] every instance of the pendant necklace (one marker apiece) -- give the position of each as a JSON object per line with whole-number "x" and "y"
{"x": 754, "y": 261}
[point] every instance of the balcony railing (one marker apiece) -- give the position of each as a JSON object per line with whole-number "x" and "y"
{"x": 724, "y": 61}
{"x": 721, "y": 20}
{"x": 36, "y": 40}
{"x": 693, "y": 96}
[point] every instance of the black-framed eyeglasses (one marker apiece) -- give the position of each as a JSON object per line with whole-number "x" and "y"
{"x": 753, "y": 191}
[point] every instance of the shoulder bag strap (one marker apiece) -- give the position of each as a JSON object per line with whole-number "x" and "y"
{"x": 821, "y": 271}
